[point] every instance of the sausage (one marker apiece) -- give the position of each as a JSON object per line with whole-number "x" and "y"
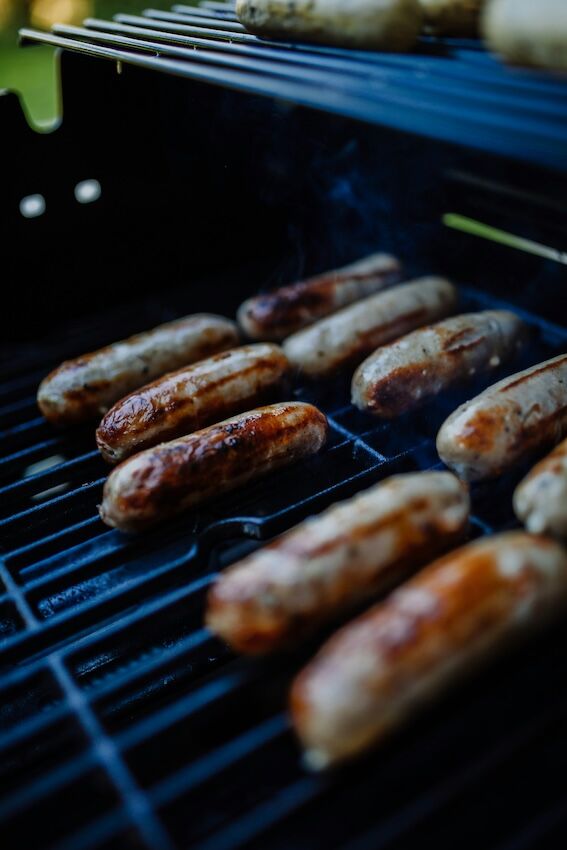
{"x": 452, "y": 17}
{"x": 277, "y": 314}
{"x": 384, "y": 666}
{"x": 347, "y": 337}
{"x": 401, "y": 376}
{"x": 387, "y": 25}
{"x": 84, "y": 388}
{"x": 192, "y": 397}
{"x": 522, "y": 414}
{"x": 540, "y": 501}
{"x": 172, "y": 477}
{"x": 528, "y": 33}
{"x": 326, "y": 565}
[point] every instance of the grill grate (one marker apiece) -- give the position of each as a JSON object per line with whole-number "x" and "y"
{"x": 125, "y": 724}
{"x": 451, "y": 89}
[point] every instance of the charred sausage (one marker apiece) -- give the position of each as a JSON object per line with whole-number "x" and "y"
{"x": 401, "y": 376}
{"x": 325, "y": 565}
{"x": 172, "y": 477}
{"x": 192, "y": 397}
{"x": 277, "y": 314}
{"x": 522, "y": 414}
{"x": 348, "y": 336}
{"x": 540, "y": 501}
{"x": 404, "y": 652}
{"x": 387, "y": 25}
{"x": 84, "y": 388}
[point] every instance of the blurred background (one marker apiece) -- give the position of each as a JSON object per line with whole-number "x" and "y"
{"x": 31, "y": 71}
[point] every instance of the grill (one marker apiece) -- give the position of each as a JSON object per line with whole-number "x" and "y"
{"x": 123, "y": 723}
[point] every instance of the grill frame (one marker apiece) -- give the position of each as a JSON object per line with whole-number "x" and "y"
{"x": 127, "y": 688}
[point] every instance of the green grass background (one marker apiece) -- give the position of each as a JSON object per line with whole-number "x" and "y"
{"x": 31, "y": 71}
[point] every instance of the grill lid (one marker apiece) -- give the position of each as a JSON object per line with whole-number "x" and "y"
{"x": 450, "y": 89}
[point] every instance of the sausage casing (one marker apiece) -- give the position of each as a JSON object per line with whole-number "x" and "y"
{"x": 400, "y": 376}
{"x": 512, "y": 419}
{"x": 387, "y": 25}
{"x": 277, "y": 314}
{"x": 191, "y": 398}
{"x": 528, "y": 33}
{"x": 540, "y": 501}
{"x": 167, "y": 479}
{"x": 348, "y": 336}
{"x": 324, "y": 566}
{"x": 84, "y": 388}
{"x": 459, "y": 611}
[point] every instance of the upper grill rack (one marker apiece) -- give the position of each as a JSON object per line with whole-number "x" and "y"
{"x": 451, "y": 90}
{"x": 125, "y": 724}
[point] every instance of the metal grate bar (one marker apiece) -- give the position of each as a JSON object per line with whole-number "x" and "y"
{"x": 220, "y": 23}
{"x": 213, "y": 765}
{"x": 51, "y": 503}
{"x": 441, "y": 108}
{"x": 229, "y": 683}
{"x": 203, "y": 12}
{"x": 129, "y": 620}
{"x": 360, "y": 72}
{"x": 78, "y": 464}
{"x": 134, "y": 802}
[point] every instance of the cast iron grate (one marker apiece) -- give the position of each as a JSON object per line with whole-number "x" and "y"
{"x": 124, "y": 723}
{"x": 450, "y": 89}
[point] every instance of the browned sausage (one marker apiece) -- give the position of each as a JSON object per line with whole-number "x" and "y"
{"x": 400, "y": 376}
{"x": 192, "y": 397}
{"x": 277, "y": 314}
{"x": 459, "y": 611}
{"x": 167, "y": 479}
{"x": 84, "y": 388}
{"x": 507, "y": 422}
{"x": 329, "y": 563}
{"x": 540, "y": 501}
{"x": 347, "y": 337}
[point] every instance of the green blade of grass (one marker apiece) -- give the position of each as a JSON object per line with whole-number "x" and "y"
{"x": 502, "y": 237}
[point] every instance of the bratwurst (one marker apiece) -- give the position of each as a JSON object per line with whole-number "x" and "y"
{"x": 84, "y": 388}
{"x": 512, "y": 419}
{"x": 277, "y": 314}
{"x": 172, "y": 477}
{"x": 367, "y": 24}
{"x": 458, "y": 612}
{"x": 347, "y": 337}
{"x": 326, "y": 565}
{"x": 540, "y": 501}
{"x": 401, "y": 376}
{"x": 192, "y": 397}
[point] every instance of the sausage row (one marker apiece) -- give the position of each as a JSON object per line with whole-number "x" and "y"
{"x": 511, "y": 420}
{"x": 461, "y": 609}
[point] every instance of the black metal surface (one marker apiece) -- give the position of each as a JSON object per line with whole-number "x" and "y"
{"x": 125, "y": 723}
{"x": 450, "y": 90}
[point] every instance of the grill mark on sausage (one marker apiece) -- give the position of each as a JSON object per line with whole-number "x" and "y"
{"x": 388, "y": 330}
{"x": 358, "y": 533}
{"x": 234, "y": 446}
{"x": 479, "y": 434}
{"x": 287, "y": 305}
{"x": 398, "y": 391}
{"x": 458, "y": 342}
{"x": 140, "y": 413}
{"x": 522, "y": 379}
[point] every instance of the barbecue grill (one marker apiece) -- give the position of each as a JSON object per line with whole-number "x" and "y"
{"x": 223, "y": 164}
